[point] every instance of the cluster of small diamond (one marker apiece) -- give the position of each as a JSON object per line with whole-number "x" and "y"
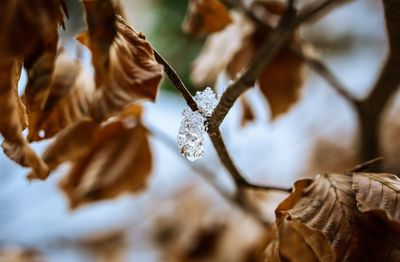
{"x": 190, "y": 139}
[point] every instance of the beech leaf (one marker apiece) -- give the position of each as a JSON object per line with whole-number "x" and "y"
{"x": 376, "y": 192}
{"x": 324, "y": 212}
{"x": 69, "y": 99}
{"x": 117, "y": 160}
{"x": 132, "y": 72}
{"x": 27, "y": 25}
{"x": 247, "y": 112}
{"x": 14, "y": 120}
{"x": 100, "y": 17}
{"x": 205, "y": 17}
{"x": 219, "y": 50}
{"x": 281, "y": 82}
{"x": 70, "y": 144}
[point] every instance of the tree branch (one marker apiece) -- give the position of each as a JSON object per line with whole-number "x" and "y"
{"x": 202, "y": 172}
{"x": 215, "y": 138}
{"x": 385, "y": 86}
{"x": 273, "y": 43}
{"x": 176, "y": 81}
{"x": 316, "y": 9}
{"x": 322, "y": 69}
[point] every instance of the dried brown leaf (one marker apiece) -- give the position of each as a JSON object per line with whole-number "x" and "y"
{"x": 70, "y": 144}
{"x": 220, "y": 49}
{"x": 20, "y": 254}
{"x": 247, "y": 112}
{"x": 324, "y": 212}
{"x": 205, "y": 17}
{"x": 70, "y": 96}
{"x": 378, "y": 192}
{"x": 14, "y": 120}
{"x": 281, "y": 82}
{"x": 204, "y": 243}
{"x": 132, "y": 73}
{"x": 288, "y": 245}
{"x": 117, "y": 161}
{"x": 100, "y": 17}
{"x": 31, "y": 32}
{"x": 40, "y": 67}
{"x": 26, "y": 25}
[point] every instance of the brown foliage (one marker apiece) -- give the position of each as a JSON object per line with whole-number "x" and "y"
{"x": 131, "y": 74}
{"x": 26, "y": 26}
{"x": 100, "y": 17}
{"x": 106, "y": 160}
{"x": 59, "y": 92}
{"x": 28, "y": 33}
{"x": 11, "y": 125}
{"x": 247, "y": 112}
{"x": 117, "y": 160}
{"x": 280, "y": 81}
{"x": 205, "y": 17}
{"x": 330, "y": 216}
{"x": 69, "y": 99}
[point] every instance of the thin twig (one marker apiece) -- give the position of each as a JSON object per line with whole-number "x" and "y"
{"x": 273, "y": 43}
{"x": 215, "y": 138}
{"x": 313, "y": 62}
{"x": 176, "y": 81}
{"x": 385, "y": 86}
{"x": 206, "y": 174}
{"x": 269, "y": 188}
{"x": 364, "y": 166}
{"x": 276, "y": 39}
{"x": 322, "y": 69}
{"x": 317, "y": 8}
{"x": 225, "y": 158}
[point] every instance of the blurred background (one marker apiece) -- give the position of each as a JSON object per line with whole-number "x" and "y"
{"x": 180, "y": 217}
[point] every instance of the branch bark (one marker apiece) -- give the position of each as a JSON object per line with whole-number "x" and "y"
{"x": 176, "y": 81}
{"x": 271, "y": 46}
{"x": 274, "y": 42}
{"x": 385, "y": 86}
{"x": 322, "y": 69}
{"x": 216, "y": 138}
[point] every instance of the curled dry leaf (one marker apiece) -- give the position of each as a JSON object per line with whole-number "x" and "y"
{"x": 14, "y": 120}
{"x": 281, "y": 82}
{"x": 28, "y": 31}
{"x": 205, "y": 17}
{"x": 100, "y": 17}
{"x": 324, "y": 212}
{"x": 20, "y": 254}
{"x": 132, "y": 72}
{"x": 117, "y": 160}
{"x": 378, "y": 193}
{"x": 69, "y": 100}
{"x": 288, "y": 245}
{"x": 37, "y": 28}
{"x": 232, "y": 50}
{"x": 70, "y": 144}
{"x": 247, "y": 112}
{"x": 26, "y": 25}
{"x": 219, "y": 50}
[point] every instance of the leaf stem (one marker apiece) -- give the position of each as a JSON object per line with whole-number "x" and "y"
{"x": 176, "y": 81}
